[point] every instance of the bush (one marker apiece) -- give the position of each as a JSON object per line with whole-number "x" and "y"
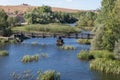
{"x": 102, "y": 54}
{"x": 49, "y": 75}
{"x": 88, "y": 55}
{"x": 67, "y": 47}
{"x": 106, "y": 65}
{"x": 84, "y": 41}
{"x": 28, "y": 58}
{"x": 4, "y": 53}
{"x": 83, "y": 55}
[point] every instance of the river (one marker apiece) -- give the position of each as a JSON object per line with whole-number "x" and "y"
{"x": 60, "y": 60}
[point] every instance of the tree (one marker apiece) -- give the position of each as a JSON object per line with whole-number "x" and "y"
{"x": 109, "y": 17}
{"x": 3, "y": 21}
{"x": 12, "y": 21}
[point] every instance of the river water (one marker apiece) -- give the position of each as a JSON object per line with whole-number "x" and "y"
{"x": 60, "y": 60}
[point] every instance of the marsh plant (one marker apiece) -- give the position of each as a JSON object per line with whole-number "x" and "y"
{"x": 26, "y": 75}
{"x": 106, "y": 65}
{"x": 67, "y": 47}
{"x": 43, "y": 55}
{"x": 84, "y": 41}
{"x": 29, "y": 58}
{"x": 49, "y": 75}
{"x": 34, "y": 43}
{"x": 87, "y": 55}
{"x": 4, "y": 53}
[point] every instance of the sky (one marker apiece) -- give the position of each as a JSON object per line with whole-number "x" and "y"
{"x": 72, "y": 4}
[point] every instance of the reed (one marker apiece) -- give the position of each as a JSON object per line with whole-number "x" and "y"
{"x": 67, "y": 47}
{"x": 106, "y": 65}
{"x": 4, "y": 53}
{"x": 84, "y": 41}
{"x": 49, "y": 75}
{"x": 88, "y": 55}
{"x": 28, "y": 58}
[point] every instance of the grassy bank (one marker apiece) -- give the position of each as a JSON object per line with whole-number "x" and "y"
{"x": 4, "y": 40}
{"x": 4, "y": 53}
{"x": 102, "y": 60}
{"x": 88, "y": 55}
{"x": 106, "y": 65}
{"x": 49, "y": 28}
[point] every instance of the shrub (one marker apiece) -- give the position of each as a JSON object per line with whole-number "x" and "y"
{"x": 4, "y": 53}
{"x": 67, "y": 47}
{"x": 49, "y": 75}
{"x": 102, "y": 54}
{"x": 88, "y": 55}
{"x": 83, "y": 55}
{"x": 106, "y": 65}
{"x": 28, "y": 58}
{"x": 84, "y": 41}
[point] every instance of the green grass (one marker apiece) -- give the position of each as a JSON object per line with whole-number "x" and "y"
{"x": 49, "y": 75}
{"x": 49, "y": 28}
{"x": 29, "y": 58}
{"x": 4, "y": 53}
{"x": 4, "y": 40}
{"x": 67, "y": 47}
{"x": 84, "y": 41}
{"x": 106, "y": 65}
{"x": 88, "y": 55}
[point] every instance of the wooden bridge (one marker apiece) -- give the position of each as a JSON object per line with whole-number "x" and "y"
{"x": 26, "y": 35}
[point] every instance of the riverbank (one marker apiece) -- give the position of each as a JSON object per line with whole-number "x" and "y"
{"x": 49, "y": 28}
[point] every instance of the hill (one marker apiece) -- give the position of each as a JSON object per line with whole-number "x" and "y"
{"x": 24, "y": 7}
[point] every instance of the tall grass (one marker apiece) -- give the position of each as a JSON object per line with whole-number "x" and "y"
{"x": 106, "y": 65}
{"x": 28, "y": 58}
{"x": 84, "y": 41}
{"x": 49, "y": 28}
{"x": 67, "y": 47}
{"x": 49, "y": 75}
{"x": 87, "y": 55}
{"x": 4, "y": 53}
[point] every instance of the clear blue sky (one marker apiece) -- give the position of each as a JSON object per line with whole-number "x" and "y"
{"x": 73, "y": 4}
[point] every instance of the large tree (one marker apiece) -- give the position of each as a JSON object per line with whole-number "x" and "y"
{"x": 3, "y": 22}
{"x": 109, "y": 18}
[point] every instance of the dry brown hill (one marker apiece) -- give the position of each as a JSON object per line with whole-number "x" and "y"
{"x": 24, "y": 7}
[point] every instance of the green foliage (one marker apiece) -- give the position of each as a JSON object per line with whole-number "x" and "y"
{"x": 49, "y": 75}
{"x": 67, "y": 47}
{"x": 44, "y": 15}
{"x": 117, "y": 50}
{"x": 3, "y": 53}
{"x": 12, "y": 21}
{"x": 28, "y": 58}
{"x": 109, "y": 17}
{"x": 84, "y": 41}
{"x": 48, "y": 28}
{"x": 83, "y": 55}
{"x": 87, "y": 18}
{"x": 4, "y": 40}
{"x": 88, "y": 55}
{"x": 106, "y": 65}
{"x": 3, "y": 19}
{"x": 3, "y": 22}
